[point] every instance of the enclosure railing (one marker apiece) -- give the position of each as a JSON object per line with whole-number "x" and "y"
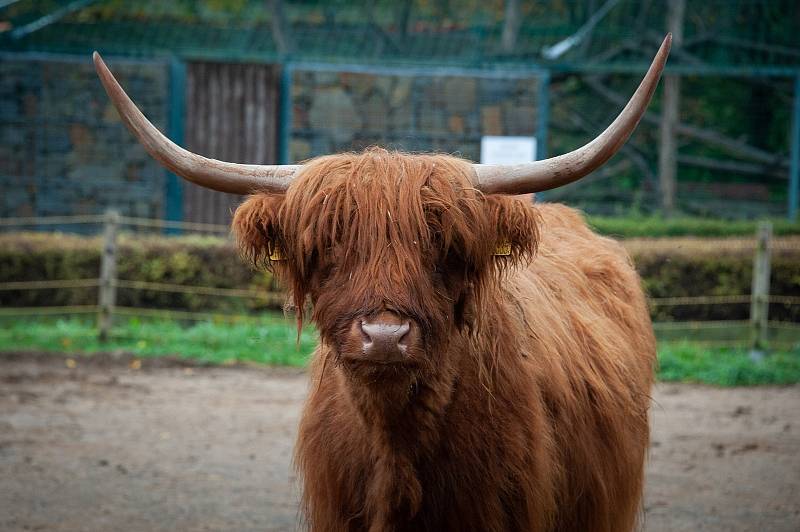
{"x": 107, "y": 284}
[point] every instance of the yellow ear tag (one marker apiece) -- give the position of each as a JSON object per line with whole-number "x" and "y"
{"x": 275, "y": 254}
{"x": 503, "y": 249}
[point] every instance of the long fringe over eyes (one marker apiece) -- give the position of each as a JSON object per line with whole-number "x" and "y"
{"x": 389, "y": 217}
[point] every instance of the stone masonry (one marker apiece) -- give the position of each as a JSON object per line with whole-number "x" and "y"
{"x": 63, "y": 149}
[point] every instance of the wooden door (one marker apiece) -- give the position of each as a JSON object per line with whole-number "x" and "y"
{"x": 231, "y": 115}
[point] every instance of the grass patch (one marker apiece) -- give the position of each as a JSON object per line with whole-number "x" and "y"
{"x": 725, "y": 366}
{"x": 270, "y": 339}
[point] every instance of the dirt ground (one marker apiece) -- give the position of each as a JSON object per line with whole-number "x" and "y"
{"x": 106, "y": 446}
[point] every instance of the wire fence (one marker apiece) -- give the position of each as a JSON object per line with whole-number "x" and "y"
{"x": 132, "y": 221}
{"x": 758, "y": 331}
{"x": 735, "y": 132}
{"x": 273, "y": 297}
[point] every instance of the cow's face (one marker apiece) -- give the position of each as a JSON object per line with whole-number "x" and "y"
{"x": 392, "y": 251}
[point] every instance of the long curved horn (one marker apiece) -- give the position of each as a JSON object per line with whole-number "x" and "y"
{"x": 209, "y": 173}
{"x": 564, "y": 169}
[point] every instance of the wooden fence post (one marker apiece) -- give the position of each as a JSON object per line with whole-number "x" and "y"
{"x": 108, "y": 275}
{"x": 759, "y": 296}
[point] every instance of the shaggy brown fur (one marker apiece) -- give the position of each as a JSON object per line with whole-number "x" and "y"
{"x": 526, "y": 407}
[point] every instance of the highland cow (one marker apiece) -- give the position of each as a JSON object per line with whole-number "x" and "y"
{"x": 485, "y": 362}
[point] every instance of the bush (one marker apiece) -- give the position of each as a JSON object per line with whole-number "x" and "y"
{"x": 194, "y": 261}
{"x": 669, "y": 267}
{"x": 655, "y": 227}
{"x": 686, "y": 267}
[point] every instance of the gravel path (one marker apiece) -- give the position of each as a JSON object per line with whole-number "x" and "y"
{"x": 105, "y": 446}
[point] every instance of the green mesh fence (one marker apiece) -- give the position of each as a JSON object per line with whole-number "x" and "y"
{"x": 738, "y": 63}
{"x": 732, "y": 33}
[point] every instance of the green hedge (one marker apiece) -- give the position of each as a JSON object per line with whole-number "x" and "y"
{"x": 656, "y": 227}
{"x": 669, "y": 267}
{"x": 688, "y": 267}
{"x": 198, "y": 261}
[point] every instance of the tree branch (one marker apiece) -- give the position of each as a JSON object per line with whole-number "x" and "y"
{"x": 730, "y": 166}
{"x": 740, "y": 148}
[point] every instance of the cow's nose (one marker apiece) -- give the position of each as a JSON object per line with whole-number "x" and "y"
{"x": 385, "y": 337}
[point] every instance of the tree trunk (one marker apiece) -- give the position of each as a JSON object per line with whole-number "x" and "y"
{"x": 511, "y": 24}
{"x": 279, "y": 26}
{"x": 667, "y": 153}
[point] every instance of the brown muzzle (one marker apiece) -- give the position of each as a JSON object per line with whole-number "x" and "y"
{"x": 385, "y": 338}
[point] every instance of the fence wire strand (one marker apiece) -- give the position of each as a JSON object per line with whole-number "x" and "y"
{"x": 123, "y": 220}
{"x": 67, "y": 309}
{"x": 278, "y": 297}
{"x": 49, "y": 284}
{"x": 53, "y": 220}
{"x": 698, "y": 300}
{"x": 201, "y": 290}
{"x": 173, "y": 224}
{"x": 697, "y": 325}
{"x": 187, "y": 315}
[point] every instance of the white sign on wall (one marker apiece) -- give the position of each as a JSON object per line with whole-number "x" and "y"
{"x": 507, "y": 150}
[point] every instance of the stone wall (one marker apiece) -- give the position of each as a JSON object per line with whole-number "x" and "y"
{"x": 340, "y": 111}
{"x": 63, "y": 149}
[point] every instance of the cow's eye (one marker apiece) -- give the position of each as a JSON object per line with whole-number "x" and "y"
{"x": 448, "y": 264}
{"x": 324, "y": 271}
{"x": 453, "y": 260}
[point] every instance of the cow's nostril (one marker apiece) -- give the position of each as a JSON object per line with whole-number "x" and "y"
{"x": 405, "y": 328}
{"x": 385, "y": 338}
{"x": 384, "y": 332}
{"x": 365, "y": 337}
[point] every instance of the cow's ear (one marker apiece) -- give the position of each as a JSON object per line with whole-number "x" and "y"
{"x": 255, "y": 225}
{"x": 514, "y": 228}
